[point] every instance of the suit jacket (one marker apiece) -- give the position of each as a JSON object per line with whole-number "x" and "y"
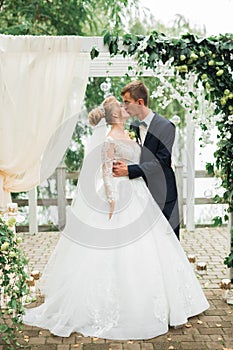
{"x": 155, "y": 160}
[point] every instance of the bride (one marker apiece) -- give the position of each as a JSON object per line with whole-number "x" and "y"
{"x": 118, "y": 270}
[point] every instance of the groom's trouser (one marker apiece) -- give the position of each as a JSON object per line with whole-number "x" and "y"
{"x": 171, "y": 212}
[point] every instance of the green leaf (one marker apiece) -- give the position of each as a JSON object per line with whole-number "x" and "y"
{"x": 210, "y": 168}
{"x": 229, "y": 260}
{"x": 94, "y": 53}
{"x": 107, "y": 38}
{"x": 217, "y": 221}
{"x": 3, "y": 328}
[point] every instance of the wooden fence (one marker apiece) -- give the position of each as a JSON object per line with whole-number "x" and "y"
{"x": 61, "y": 175}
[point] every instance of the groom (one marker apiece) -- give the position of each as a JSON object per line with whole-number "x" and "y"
{"x": 156, "y": 136}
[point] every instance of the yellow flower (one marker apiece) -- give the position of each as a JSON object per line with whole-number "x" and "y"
{"x": 11, "y": 222}
{"x": 211, "y": 63}
{"x": 182, "y": 57}
{"x": 219, "y": 72}
{"x": 223, "y": 101}
{"x": 204, "y": 76}
{"x": 227, "y": 92}
{"x": 12, "y": 254}
{"x": 5, "y": 246}
{"x": 193, "y": 56}
{"x": 183, "y": 68}
{"x": 19, "y": 240}
{"x": 132, "y": 135}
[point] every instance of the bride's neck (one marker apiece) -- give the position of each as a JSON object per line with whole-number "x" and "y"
{"x": 118, "y": 128}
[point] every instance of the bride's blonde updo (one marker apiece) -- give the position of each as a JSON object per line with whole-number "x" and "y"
{"x": 103, "y": 111}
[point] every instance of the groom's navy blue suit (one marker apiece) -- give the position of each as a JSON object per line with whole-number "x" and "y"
{"x": 155, "y": 166}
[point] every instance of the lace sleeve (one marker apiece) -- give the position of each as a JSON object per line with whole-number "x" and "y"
{"x": 107, "y": 156}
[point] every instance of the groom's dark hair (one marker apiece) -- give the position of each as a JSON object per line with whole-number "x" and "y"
{"x": 137, "y": 90}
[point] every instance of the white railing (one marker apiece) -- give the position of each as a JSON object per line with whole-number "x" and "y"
{"x": 61, "y": 175}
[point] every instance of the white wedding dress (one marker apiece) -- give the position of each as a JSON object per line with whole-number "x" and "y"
{"x": 124, "y": 278}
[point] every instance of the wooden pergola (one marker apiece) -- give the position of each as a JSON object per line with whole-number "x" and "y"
{"x": 117, "y": 66}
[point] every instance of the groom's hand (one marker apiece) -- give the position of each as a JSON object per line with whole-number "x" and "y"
{"x": 120, "y": 168}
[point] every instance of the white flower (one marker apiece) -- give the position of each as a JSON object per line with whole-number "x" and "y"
{"x": 135, "y": 56}
{"x": 206, "y": 138}
{"x": 158, "y": 93}
{"x": 105, "y": 86}
{"x": 143, "y": 44}
{"x": 228, "y": 135}
{"x": 154, "y": 94}
{"x": 175, "y": 119}
{"x": 217, "y": 118}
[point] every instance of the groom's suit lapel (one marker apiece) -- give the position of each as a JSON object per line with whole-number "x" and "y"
{"x": 150, "y": 132}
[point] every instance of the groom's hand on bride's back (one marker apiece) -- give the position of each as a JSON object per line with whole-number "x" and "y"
{"x": 120, "y": 168}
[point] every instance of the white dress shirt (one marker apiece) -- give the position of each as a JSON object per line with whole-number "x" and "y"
{"x": 142, "y": 128}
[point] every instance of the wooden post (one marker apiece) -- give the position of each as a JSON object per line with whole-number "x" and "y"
{"x": 179, "y": 181}
{"x": 32, "y": 203}
{"x": 190, "y": 159}
{"x": 61, "y": 195}
{"x": 178, "y": 166}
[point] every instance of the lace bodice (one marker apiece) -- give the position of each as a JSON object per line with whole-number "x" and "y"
{"x": 113, "y": 150}
{"x": 125, "y": 150}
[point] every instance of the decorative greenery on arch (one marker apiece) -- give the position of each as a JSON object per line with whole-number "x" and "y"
{"x": 210, "y": 60}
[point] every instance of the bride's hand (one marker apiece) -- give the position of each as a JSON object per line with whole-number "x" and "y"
{"x": 111, "y": 206}
{"x": 120, "y": 168}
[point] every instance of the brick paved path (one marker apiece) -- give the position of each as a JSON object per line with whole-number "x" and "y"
{"x": 211, "y": 330}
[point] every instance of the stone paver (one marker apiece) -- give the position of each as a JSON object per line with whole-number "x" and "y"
{"x": 212, "y": 330}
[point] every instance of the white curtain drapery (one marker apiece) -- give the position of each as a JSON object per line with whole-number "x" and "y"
{"x": 42, "y": 85}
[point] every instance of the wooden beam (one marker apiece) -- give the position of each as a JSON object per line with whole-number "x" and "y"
{"x": 32, "y": 202}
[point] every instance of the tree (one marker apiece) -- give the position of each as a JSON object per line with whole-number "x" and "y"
{"x": 145, "y": 22}
{"x": 58, "y": 17}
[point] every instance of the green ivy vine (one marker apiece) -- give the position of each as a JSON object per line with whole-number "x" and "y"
{"x": 13, "y": 284}
{"x": 211, "y": 61}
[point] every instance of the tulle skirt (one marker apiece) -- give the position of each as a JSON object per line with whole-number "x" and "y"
{"x": 124, "y": 278}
